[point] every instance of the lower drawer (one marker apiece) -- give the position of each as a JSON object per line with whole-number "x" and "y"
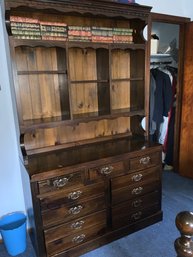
{"x": 67, "y": 213}
{"x": 136, "y": 204}
{"x": 126, "y": 218}
{"x": 67, "y": 242}
{"x": 77, "y": 225}
{"x": 133, "y": 191}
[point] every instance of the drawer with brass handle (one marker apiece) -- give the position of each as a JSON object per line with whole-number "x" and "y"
{"x": 56, "y": 200}
{"x": 145, "y": 161}
{"x": 72, "y": 227}
{"x": 62, "y": 182}
{"x": 110, "y": 169}
{"x": 66, "y": 213}
{"x": 137, "y": 204}
{"x": 67, "y": 242}
{"x": 132, "y": 191}
{"x": 151, "y": 174}
{"x": 125, "y": 218}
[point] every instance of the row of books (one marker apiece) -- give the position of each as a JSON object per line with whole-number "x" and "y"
{"x": 31, "y": 28}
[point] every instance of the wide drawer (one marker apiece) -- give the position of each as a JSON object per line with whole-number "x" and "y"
{"x": 133, "y": 191}
{"x": 126, "y": 218}
{"x": 151, "y": 174}
{"x": 72, "y": 195}
{"x": 65, "y": 213}
{"x": 145, "y": 161}
{"x": 62, "y": 182}
{"x": 137, "y": 204}
{"x": 70, "y": 241}
{"x": 77, "y": 225}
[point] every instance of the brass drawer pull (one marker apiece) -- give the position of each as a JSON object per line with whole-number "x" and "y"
{"x": 137, "y": 191}
{"x": 75, "y": 210}
{"x": 145, "y": 160}
{"x": 74, "y": 195}
{"x": 78, "y": 239}
{"x": 137, "y": 177}
{"x": 136, "y": 215}
{"x": 77, "y": 225}
{"x": 106, "y": 170}
{"x": 59, "y": 183}
{"x": 137, "y": 203}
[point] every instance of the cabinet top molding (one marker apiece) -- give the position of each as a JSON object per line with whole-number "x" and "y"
{"x": 99, "y": 8}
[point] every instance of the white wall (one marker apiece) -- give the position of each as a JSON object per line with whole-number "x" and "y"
{"x": 177, "y": 7}
{"x": 11, "y": 189}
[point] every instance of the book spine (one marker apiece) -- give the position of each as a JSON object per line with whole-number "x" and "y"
{"x": 54, "y": 38}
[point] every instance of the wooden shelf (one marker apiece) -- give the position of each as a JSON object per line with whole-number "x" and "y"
{"x": 31, "y": 125}
{"x": 78, "y": 44}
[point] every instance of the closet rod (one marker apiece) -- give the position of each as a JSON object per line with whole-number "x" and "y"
{"x": 158, "y": 63}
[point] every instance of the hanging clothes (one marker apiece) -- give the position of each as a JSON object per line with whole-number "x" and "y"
{"x": 162, "y": 100}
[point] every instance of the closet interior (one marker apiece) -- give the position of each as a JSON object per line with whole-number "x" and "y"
{"x": 166, "y": 51}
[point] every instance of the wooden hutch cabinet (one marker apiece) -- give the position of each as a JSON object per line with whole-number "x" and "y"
{"x": 81, "y": 76}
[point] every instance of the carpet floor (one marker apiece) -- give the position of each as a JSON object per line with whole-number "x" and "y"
{"x": 154, "y": 241}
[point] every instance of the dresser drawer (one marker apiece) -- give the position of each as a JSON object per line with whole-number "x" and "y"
{"x": 137, "y": 204}
{"x": 77, "y": 225}
{"x": 76, "y": 195}
{"x": 74, "y": 240}
{"x": 133, "y": 191}
{"x": 151, "y": 174}
{"x": 66, "y": 213}
{"x": 111, "y": 169}
{"x": 145, "y": 161}
{"x": 126, "y": 218}
{"x": 61, "y": 182}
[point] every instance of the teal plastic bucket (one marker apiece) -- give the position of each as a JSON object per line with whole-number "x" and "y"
{"x": 13, "y": 231}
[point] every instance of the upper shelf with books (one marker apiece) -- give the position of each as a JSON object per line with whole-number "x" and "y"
{"x": 27, "y": 28}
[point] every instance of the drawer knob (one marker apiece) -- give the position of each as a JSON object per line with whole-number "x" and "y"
{"x": 78, "y": 239}
{"x": 136, "y": 215}
{"x": 137, "y": 177}
{"x": 74, "y": 195}
{"x": 106, "y": 170}
{"x": 75, "y": 210}
{"x": 145, "y": 160}
{"x": 137, "y": 191}
{"x": 137, "y": 203}
{"x": 77, "y": 225}
{"x": 59, "y": 183}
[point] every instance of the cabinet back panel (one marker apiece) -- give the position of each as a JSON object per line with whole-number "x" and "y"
{"x": 95, "y": 129}
{"x": 120, "y": 66}
{"x": 82, "y": 65}
{"x": 36, "y": 84}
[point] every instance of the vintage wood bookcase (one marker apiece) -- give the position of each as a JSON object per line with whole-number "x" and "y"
{"x": 94, "y": 175}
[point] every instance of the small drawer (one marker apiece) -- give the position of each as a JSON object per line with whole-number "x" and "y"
{"x": 77, "y": 225}
{"x": 126, "y": 218}
{"x": 66, "y": 213}
{"x": 145, "y": 161}
{"x": 67, "y": 242}
{"x": 111, "y": 169}
{"x": 131, "y": 192}
{"x": 151, "y": 174}
{"x": 61, "y": 182}
{"x": 71, "y": 195}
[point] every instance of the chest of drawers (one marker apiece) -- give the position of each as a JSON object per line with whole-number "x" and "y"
{"x": 82, "y": 206}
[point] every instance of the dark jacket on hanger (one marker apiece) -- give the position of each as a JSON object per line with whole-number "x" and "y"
{"x": 163, "y": 95}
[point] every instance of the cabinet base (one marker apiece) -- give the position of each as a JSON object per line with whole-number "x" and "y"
{"x": 111, "y": 236}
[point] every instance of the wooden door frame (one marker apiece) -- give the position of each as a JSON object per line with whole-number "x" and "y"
{"x": 181, "y": 21}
